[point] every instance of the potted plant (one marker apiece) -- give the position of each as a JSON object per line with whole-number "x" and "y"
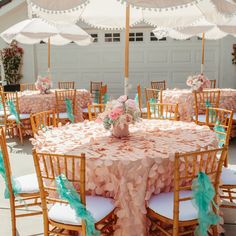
{"x": 12, "y": 62}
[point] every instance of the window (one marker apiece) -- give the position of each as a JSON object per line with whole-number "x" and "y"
{"x": 112, "y": 37}
{"x": 95, "y": 37}
{"x": 154, "y": 38}
{"x": 136, "y": 37}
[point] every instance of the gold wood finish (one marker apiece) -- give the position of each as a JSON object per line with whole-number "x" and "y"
{"x": 160, "y": 85}
{"x": 66, "y": 85}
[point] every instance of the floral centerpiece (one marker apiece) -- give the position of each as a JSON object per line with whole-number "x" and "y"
{"x": 198, "y": 82}
{"x": 43, "y": 84}
{"x": 118, "y": 115}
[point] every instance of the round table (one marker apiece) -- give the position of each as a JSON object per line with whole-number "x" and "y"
{"x": 185, "y": 100}
{"x": 130, "y": 169}
{"x": 33, "y": 101}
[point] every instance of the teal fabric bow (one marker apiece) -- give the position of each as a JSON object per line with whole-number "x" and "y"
{"x": 96, "y": 97}
{"x": 69, "y": 110}
{"x": 212, "y": 113}
{"x": 221, "y": 137}
{"x": 105, "y": 97}
{"x": 13, "y": 111}
{"x": 203, "y": 194}
{"x": 67, "y": 192}
{"x": 16, "y": 188}
{"x": 136, "y": 99}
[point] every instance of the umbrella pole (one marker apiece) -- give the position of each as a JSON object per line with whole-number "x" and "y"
{"x": 49, "y": 57}
{"x": 203, "y": 53}
{"x": 126, "y": 79}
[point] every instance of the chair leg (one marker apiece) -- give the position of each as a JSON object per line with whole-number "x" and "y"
{"x": 13, "y": 217}
{"x": 226, "y": 160}
{"x": 20, "y": 133}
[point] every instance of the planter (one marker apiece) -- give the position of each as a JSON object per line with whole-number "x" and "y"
{"x": 119, "y": 132}
{"x": 11, "y": 88}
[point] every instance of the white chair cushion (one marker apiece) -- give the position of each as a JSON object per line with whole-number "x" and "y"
{"x": 163, "y": 205}
{"x": 63, "y": 115}
{"x": 201, "y": 117}
{"x": 228, "y": 175}
{"x": 234, "y": 116}
{"x": 2, "y": 113}
{"x": 85, "y": 110}
{"x": 144, "y": 110}
{"x": 28, "y": 183}
{"x": 98, "y": 206}
{"x": 22, "y": 117}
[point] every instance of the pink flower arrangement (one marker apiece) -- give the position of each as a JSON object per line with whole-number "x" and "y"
{"x": 43, "y": 84}
{"x": 198, "y": 82}
{"x": 120, "y": 112}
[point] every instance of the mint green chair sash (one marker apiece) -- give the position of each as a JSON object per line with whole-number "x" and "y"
{"x": 220, "y": 136}
{"x": 212, "y": 113}
{"x": 203, "y": 194}
{"x": 152, "y": 101}
{"x": 96, "y": 97}
{"x": 136, "y": 99}
{"x": 67, "y": 192}
{"x": 69, "y": 110}
{"x": 13, "y": 111}
{"x": 105, "y": 97}
{"x": 16, "y": 188}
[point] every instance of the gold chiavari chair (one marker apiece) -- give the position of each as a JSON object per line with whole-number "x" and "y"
{"x": 11, "y": 120}
{"x": 162, "y": 111}
{"x": 57, "y": 214}
{"x": 27, "y": 196}
{"x": 173, "y": 213}
{"x": 201, "y": 101}
{"x": 66, "y": 85}
{"x": 94, "y": 110}
{"x": 61, "y": 97}
{"x": 160, "y": 85}
{"x": 27, "y": 86}
{"x": 95, "y": 89}
{"x": 42, "y": 120}
{"x": 102, "y": 92}
{"x": 213, "y": 83}
{"x": 221, "y": 121}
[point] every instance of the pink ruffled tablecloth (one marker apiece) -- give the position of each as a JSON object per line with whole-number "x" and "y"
{"x": 33, "y": 101}
{"x": 185, "y": 99}
{"x": 131, "y": 169}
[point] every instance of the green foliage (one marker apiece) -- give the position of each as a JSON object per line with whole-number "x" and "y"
{"x": 12, "y": 59}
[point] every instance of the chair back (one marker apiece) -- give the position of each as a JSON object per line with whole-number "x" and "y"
{"x": 162, "y": 111}
{"x": 27, "y": 86}
{"x": 66, "y": 85}
{"x": 222, "y": 118}
{"x": 61, "y": 97}
{"x": 49, "y": 166}
{"x": 201, "y": 99}
{"x": 11, "y": 96}
{"x": 186, "y": 169}
{"x": 95, "y": 89}
{"x": 213, "y": 83}
{"x": 153, "y": 94}
{"x": 160, "y": 85}
{"x": 6, "y": 162}
{"x": 94, "y": 110}
{"x": 41, "y": 120}
{"x": 102, "y": 92}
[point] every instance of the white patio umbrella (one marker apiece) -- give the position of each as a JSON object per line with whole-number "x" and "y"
{"x": 202, "y": 29}
{"x": 112, "y": 14}
{"x": 32, "y": 31}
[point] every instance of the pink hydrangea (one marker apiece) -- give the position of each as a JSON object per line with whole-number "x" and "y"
{"x": 115, "y": 113}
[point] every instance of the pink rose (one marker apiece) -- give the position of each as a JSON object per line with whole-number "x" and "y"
{"x": 115, "y": 113}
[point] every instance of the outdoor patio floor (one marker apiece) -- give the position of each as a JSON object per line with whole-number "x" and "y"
{"x": 22, "y": 163}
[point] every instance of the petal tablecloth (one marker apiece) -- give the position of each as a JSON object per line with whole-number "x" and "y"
{"x": 33, "y": 101}
{"x": 130, "y": 169}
